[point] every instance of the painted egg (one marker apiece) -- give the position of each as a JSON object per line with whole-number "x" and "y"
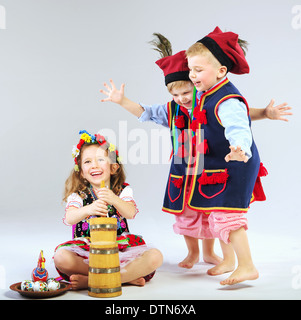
{"x": 39, "y": 286}
{"x": 50, "y": 279}
{"x": 27, "y": 285}
{"x": 53, "y": 285}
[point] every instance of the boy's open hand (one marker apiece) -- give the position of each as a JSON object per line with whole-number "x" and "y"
{"x": 277, "y": 112}
{"x": 113, "y": 94}
{"x": 236, "y": 154}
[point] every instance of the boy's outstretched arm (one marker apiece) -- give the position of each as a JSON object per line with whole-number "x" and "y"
{"x": 271, "y": 112}
{"x": 117, "y": 96}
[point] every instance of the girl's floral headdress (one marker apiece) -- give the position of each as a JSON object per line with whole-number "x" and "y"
{"x": 87, "y": 138}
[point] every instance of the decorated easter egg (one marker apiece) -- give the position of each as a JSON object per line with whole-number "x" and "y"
{"x": 50, "y": 279}
{"x": 53, "y": 285}
{"x": 39, "y": 286}
{"x": 27, "y": 285}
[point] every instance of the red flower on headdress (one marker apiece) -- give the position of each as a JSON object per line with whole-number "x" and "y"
{"x": 80, "y": 144}
{"x": 100, "y": 139}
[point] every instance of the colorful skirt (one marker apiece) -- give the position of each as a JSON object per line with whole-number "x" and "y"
{"x": 130, "y": 248}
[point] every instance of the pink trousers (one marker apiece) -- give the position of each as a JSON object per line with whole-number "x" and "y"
{"x": 209, "y": 226}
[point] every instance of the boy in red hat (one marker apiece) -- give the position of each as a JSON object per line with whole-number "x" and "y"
{"x": 178, "y": 116}
{"x": 227, "y": 180}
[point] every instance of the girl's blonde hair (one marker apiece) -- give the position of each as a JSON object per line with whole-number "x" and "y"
{"x": 75, "y": 183}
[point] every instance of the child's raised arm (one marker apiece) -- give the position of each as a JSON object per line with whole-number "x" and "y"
{"x": 270, "y": 112}
{"x": 117, "y": 96}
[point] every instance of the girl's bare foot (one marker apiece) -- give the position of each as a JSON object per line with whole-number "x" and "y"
{"x": 138, "y": 282}
{"x": 212, "y": 258}
{"x": 79, "y": 281}
{"x": 241, "y": 274}
{"x": 189, "y": 261}
{"x": 223, "y": 267}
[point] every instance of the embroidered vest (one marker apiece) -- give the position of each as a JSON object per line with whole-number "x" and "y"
{"x": 82, "y": 228}
{"x": 181, "y": 137}
{"x": 209, "y": 183}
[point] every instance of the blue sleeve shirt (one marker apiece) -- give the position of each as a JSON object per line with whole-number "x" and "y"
{"x": 156, "y": 113}
{"x": 234, "y": 117}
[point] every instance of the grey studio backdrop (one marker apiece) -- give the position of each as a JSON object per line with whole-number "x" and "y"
{"x": 55, "y": 56}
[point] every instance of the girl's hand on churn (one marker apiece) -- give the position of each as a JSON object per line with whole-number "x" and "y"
{"x": 98, "y": 208}
{"x": 106, "y": 195}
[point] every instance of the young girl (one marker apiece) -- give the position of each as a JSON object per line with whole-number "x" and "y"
{"x": 96, "y": 160}
{"x": 181, "y": 88}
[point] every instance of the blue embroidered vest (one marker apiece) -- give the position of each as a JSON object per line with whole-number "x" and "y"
{"x": 199, "y": 176}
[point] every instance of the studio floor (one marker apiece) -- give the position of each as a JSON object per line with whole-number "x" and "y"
{"x": 278, "y": 262}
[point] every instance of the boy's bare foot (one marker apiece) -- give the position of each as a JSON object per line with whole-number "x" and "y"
{"x": 241, "y": 274}
{"x": 189, "y": 261}
{"x": 221, "y": 268}
{"x": 79, "y": 281}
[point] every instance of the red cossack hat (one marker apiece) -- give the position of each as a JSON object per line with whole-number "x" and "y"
{"x": 175, "y": 67}
{"x": 224, "y": 46}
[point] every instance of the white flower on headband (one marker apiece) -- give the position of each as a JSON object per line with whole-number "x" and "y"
{"x": 75, "y": 151}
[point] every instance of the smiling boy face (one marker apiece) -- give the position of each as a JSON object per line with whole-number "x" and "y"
{"x": 183, "y": 94}
{"x": 204, "y": 71}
